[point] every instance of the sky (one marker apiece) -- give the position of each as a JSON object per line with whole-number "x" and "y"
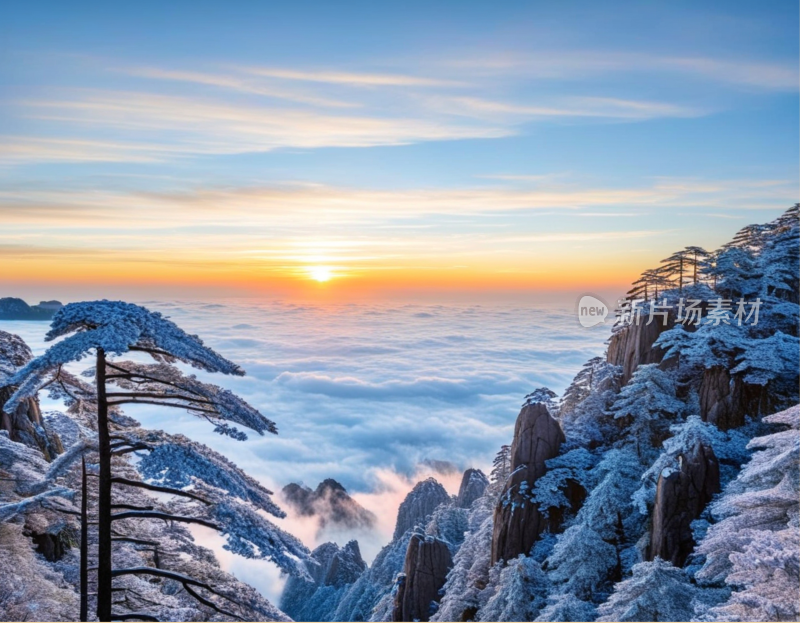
{"x": 342, "y": 150}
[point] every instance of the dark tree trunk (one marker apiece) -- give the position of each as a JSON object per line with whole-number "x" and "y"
{"x": 104, "y": 495}
{"x": 84, "y": 544}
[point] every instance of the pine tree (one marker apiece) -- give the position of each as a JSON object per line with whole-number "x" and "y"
{"x": 109, "y": 329}
{"x": 755, "y": 545}
{"x": 501, "y": 466}
{"x": 644, "y": 408}
{"x": 656, "y": 591}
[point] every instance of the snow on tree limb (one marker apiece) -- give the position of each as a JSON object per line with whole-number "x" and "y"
{"x": 61, "y": 465}
{"x": 116, "y": 327}
{"x": 9, "y": 511}
{"x": 178, "y": 462}
{"x": 165, "y": 382}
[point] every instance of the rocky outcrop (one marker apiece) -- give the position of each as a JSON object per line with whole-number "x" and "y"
{"x": 418, "y": 505}
{"x": 680, "y": 498}
{"x": 51, "y": 537}
{"x": 25, "y": 423}
{"x": 337, "y": 568}
{"x": 329, "y": 502}
{"x": 517, "y": 521}
{"x": 17, "y": 309}
{"x": 726, "y": 401}
{"x": 473, "y": 484}
{"x": 634, "y": 345}
{"x": 424, "y": 574}
{"x": 345, "y": 566}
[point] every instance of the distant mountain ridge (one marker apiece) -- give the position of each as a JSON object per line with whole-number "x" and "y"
{"x": 16, "y": 309}
{"x": 331, "y": 503}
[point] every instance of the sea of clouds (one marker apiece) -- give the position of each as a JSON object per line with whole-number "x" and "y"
{"x": 375, "y": 395}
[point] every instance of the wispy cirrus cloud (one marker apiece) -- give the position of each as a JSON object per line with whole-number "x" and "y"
{"x": 358, "y": 79}
{"x": 31, "y": 149}
{"x": 570, "y": 107}
{"x": 158, "y": 127}
{"x": 236, "y": 82}
{"x": 307, "y": 203}
{"x": 231, "y": 109}
{"x": 579, "y": 64}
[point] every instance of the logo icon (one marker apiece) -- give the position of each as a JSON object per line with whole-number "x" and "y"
{"x": 591, "y": 311}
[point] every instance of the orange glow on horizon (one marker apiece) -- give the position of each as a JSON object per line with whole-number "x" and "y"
{"x": 320, "y": 274}
{"x": 82, "y": 277}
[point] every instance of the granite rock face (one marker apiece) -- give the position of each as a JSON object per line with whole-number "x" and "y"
{"x": 473, "y": 484}
{"x": 425, "y": 571}
{"x": 418, "y": 505}
{"x": 634, "y": 345}
{"x": 25, "y": 424}
{"x": 727, "y": 400}
{"x": 680, "y": 498}
{"x": 517, "y": 521}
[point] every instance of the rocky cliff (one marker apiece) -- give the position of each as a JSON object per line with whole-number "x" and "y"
{"x": 25, "y": 424}
{"x": 517, "y": 521}
{"x": 418, "y": 505}
{"x": 726, "y": 400}
{"x": 337, "y": 568}
{"x": 680, "y": 498}
{"x": 425, "y": 569}
{"x": 473, "y": 485}
{"x": 633, "y": 345}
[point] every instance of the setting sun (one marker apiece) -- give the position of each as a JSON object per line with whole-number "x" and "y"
{"x": 320, "y": 273}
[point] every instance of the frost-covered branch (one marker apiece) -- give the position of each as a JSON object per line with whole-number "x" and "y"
{"x": 153, "y": 514}
{"x": 9, "y": 511}
{"x": 61, "y": 464}
{"x": 116, "y": 328}
{"x": 158, "y": 488}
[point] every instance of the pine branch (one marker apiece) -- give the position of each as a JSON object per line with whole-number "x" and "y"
{"x": 157, "y": 395}
{"x": 133, "y": 507}
{"x": 209, "y": 603}
{"x": 128, "y": 539}
{"x": 179, "y": 577}
{"x": 160, "y": 404}
{"x": 165, "y": 517}
{"x": 159, "y": 488}
{"x": 128, "y": 616}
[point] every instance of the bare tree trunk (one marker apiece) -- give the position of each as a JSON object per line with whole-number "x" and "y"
{"x": 104, "y": 495}
{"x": 84, "y": 544}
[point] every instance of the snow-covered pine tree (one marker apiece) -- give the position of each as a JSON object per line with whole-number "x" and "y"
{"x": 521, "y": 592}
{"x": 656, "y": 591}
{"x": 108, "y": 329}
{"x": 755, "y": 545}
{"x": 645, "y": 407}
{"x": 501, "y": 466}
